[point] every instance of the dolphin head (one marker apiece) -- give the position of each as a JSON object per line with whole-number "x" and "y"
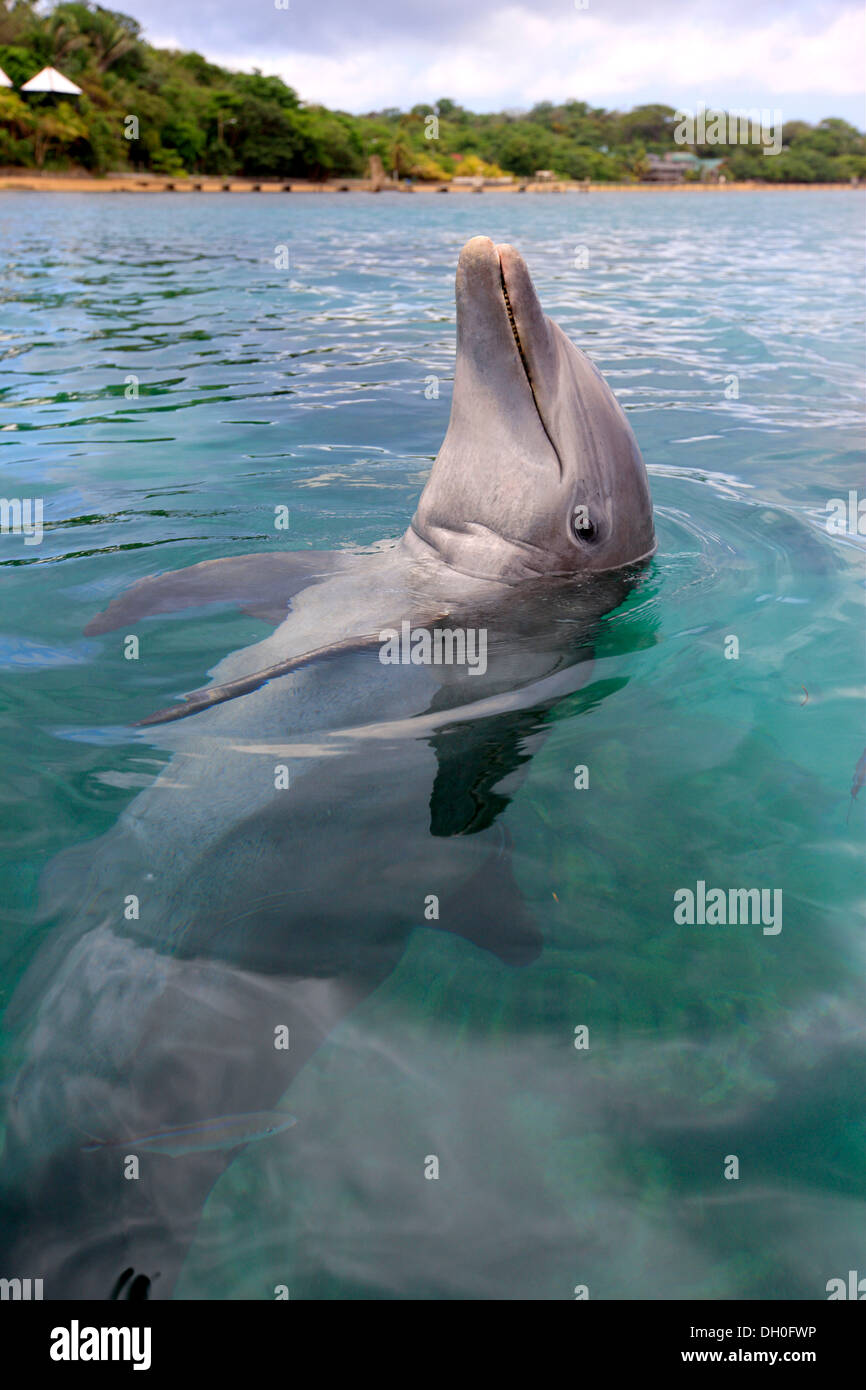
{"x": 539, "y": 473}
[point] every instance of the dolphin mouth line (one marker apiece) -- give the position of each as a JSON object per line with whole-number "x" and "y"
{"x": 510, "y": 312}
{"x": 512, "y": 322}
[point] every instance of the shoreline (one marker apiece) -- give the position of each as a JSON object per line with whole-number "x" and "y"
{"x": 34, "y": 182}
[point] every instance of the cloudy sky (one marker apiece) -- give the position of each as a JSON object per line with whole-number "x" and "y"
{"x": 805, "y": 58}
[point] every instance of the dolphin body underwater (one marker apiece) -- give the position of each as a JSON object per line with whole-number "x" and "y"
{"x": 265, "y": 906}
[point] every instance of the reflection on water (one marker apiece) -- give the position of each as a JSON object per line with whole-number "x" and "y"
{"x": 164, "y": 389}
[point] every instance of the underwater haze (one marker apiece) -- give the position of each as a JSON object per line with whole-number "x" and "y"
{"x": 653, "y": 1108}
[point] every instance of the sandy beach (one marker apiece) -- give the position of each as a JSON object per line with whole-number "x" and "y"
{"x": 32, "y": 181}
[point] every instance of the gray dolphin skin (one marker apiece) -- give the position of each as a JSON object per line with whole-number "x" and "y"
{"x": 312, "y": 799}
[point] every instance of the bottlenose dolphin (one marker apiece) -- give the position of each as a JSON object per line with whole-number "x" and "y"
{"x": 319, "y": 802}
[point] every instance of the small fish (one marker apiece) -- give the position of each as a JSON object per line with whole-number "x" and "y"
{"x": 228, "y": 1132}
{"x": 857, "y": 782}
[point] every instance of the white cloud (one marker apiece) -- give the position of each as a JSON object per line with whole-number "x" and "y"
{"x": 806, "y": 67}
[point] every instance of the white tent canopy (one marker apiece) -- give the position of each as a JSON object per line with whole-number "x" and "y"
{"x": 50, "y": 80}
{"x": 4, "y": 80}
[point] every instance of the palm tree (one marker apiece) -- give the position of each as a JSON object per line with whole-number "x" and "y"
{"x": 60, "y": 126}
{"x": 401, "y": 158}
{"x": 112, "y": 35}
{"x": 107, "y": 34}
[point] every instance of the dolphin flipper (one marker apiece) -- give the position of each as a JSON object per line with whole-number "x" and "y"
{"x": 472, "y": 760}
{"x": 260, "y": 585}
{"x": 477, "y": 767}
{"x": 488, "y": 910}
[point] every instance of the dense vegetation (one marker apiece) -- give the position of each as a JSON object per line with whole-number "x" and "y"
{"x": 194, "y": 117}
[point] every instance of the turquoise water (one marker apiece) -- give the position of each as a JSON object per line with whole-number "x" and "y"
{"x": 731, "y": 328}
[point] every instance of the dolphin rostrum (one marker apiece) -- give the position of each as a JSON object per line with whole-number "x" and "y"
{"x": 320, "y": 802}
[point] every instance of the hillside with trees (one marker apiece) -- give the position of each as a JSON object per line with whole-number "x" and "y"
{"x": 192, "y": 117}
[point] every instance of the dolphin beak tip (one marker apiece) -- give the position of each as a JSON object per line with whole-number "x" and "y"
{"x": 477, "y": 248}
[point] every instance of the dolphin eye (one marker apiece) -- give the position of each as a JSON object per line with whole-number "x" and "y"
{"x": 584, "y": 527}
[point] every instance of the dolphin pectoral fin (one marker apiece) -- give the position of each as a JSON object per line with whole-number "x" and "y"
{"x": 210, "y": 695}
{"x": 490, "y": 912}
{"x": 473, "y": 760}
{"x": 260, "y": 585}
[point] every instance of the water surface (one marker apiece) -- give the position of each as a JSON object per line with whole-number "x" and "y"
{"x": 164, "y": 388}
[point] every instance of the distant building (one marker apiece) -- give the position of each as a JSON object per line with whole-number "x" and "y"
{"x": 673, "y": 167}
{"x": 4, "y": 80}
{"x": 544, "y": 176}
{"x": 665, "y": 168}
{"x": 50, "y": 80}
